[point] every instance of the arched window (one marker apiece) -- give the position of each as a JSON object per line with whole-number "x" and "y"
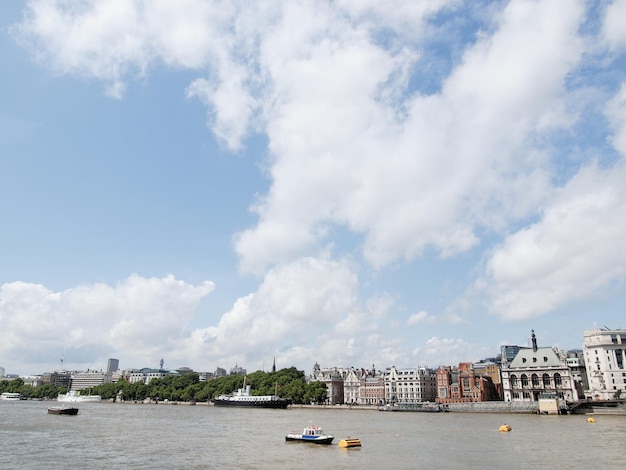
{"x": 524, "y": 380}
{"x": 546, "y": 380}
{"x": 535, "y": 379}
{"x": 557, "y": 380}
{"x": 513, "y": 380}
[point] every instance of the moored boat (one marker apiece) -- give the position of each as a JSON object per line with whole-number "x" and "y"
{"x": 62, "y": 410}
{"x": 312, "y": 434}
{"x": 425, "y": 407}
{"x": 74, "y": 396}
{"x": 243, "y": 398}
{"x": 10, "y": 396}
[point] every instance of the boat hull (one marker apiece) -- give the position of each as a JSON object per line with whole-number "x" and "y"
{"x": 324, "y": 440}
{"x": 252, "y": 403}
{"x": 63, "y": 411}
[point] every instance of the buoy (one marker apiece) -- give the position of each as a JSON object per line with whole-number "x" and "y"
{"x": 349, "y": 442}
{"x": 505, "y": 428}
{"x": 591, "y": 420}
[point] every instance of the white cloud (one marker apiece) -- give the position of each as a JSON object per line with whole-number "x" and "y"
{"x": 421, "y": 317}
{"x": 616, "y": 113}
{"x": 455, "y": 161}
{"x": 290, "y": 309}
{"x": 613, "y": 28}
{"x": 438, "y": 351}
{"x": 139, "y": 319}
{"x": 574, "y": 252}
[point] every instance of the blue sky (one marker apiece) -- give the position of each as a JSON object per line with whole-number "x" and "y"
{"x": 352, "y": 183}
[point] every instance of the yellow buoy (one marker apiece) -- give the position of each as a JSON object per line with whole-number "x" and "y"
{"x": 350, "y": 442}
{"x": 504, "y": 428}
{"x": 591, "y": 420}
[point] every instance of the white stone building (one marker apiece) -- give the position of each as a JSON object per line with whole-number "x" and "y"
{"x": 605, "y": 357}
{"x": 407, "y": 386}
{"x": 536, "y": 371}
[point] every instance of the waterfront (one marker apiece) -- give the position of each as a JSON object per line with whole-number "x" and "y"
{"x": 107, "y": 435}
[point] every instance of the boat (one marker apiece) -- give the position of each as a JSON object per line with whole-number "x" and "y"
{"x": 243, "y": 398}
{"x": 350, "y": 442}
{"x": 10, "y": 396}
{"x": 62, "y": 410}
{"x": 312, "y": 434}
{"x": 74, "y": 396}
{"x": 419, "y": 407}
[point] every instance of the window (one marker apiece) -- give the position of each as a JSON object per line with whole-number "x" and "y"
{"x": 535, "y": 379}
{"x": 545, "y": 359}
{"x": 557, "y": 379}
{"x": 546, "y": 380}
{"x": 524, "y": 360}
{"x": 524, "y": 380}
{"x": 513, "y": 380}
{"x": 534, "y": 359}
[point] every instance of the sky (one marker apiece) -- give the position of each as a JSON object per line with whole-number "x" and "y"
{"x": 349, "y": 182}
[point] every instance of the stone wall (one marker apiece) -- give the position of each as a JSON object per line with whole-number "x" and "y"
{"x": 495, "y": 407}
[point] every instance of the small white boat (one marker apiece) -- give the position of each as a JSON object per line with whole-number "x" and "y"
{"x": 74, "y": 396}
{"x": 10, "y": 396}
{"x": 312, "y": 434}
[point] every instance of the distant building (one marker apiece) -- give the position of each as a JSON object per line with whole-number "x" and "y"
{"x": 465, "y": 383}
{"x": 220, "y": 372}
{"x": 372, "y": 389}
{"x": 333, "y": 378}
{"x": 408, "y": 386}
{"x": 1, "y": 372}
{"x": 536, "y": 371}
{"x": 238, "y": 370}
{"x": 351, "y": 385}
{"x": 58, "y": 379}
{"x": 86, "y": 380}
{"x": 113, "y": 365}
{"x": 576, "y": 362}
{"x": 146, "y": 375}
{"x": 605, "y": 356}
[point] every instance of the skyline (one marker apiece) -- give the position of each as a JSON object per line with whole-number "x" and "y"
{"x": 223, "y": 183}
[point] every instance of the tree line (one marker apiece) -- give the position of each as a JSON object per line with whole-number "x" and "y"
{"x": 287, "y": 383}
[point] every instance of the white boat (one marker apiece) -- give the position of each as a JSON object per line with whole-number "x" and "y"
{"x": 74, "y": 396}
{"x": 10, "y": 396}
{"x": 313, "y": 434}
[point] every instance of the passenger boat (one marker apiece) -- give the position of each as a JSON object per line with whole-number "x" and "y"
{"x": 10, "y": 396}
{"x": 62, "y": 410}
{"x": 312, "y": 434}
{"x": 243, "y": 398}
{"x": 74, "y": 396}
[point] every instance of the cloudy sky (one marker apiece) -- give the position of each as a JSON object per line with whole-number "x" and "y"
{"x": 350, "y": 182}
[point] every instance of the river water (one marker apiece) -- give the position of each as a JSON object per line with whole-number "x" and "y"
{"x": 113, "y": 436}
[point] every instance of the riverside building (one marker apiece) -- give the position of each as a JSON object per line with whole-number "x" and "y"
{"x": 605, "y": 357}
{"x": 537, "y": 371}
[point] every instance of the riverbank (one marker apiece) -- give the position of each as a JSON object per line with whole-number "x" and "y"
{"x": 599, "y": 408}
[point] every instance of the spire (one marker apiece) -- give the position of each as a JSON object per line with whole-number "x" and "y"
{"x": 274, "y": 365}
{"x": 534, "y": 341}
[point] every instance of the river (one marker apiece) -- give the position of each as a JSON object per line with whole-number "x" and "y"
{"x": 115, "y": 436}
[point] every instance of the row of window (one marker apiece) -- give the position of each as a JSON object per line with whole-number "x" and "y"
{"x": 545, "y": 380}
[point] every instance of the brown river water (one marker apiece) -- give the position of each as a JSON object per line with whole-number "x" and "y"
{"x": 112, "y": 436}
